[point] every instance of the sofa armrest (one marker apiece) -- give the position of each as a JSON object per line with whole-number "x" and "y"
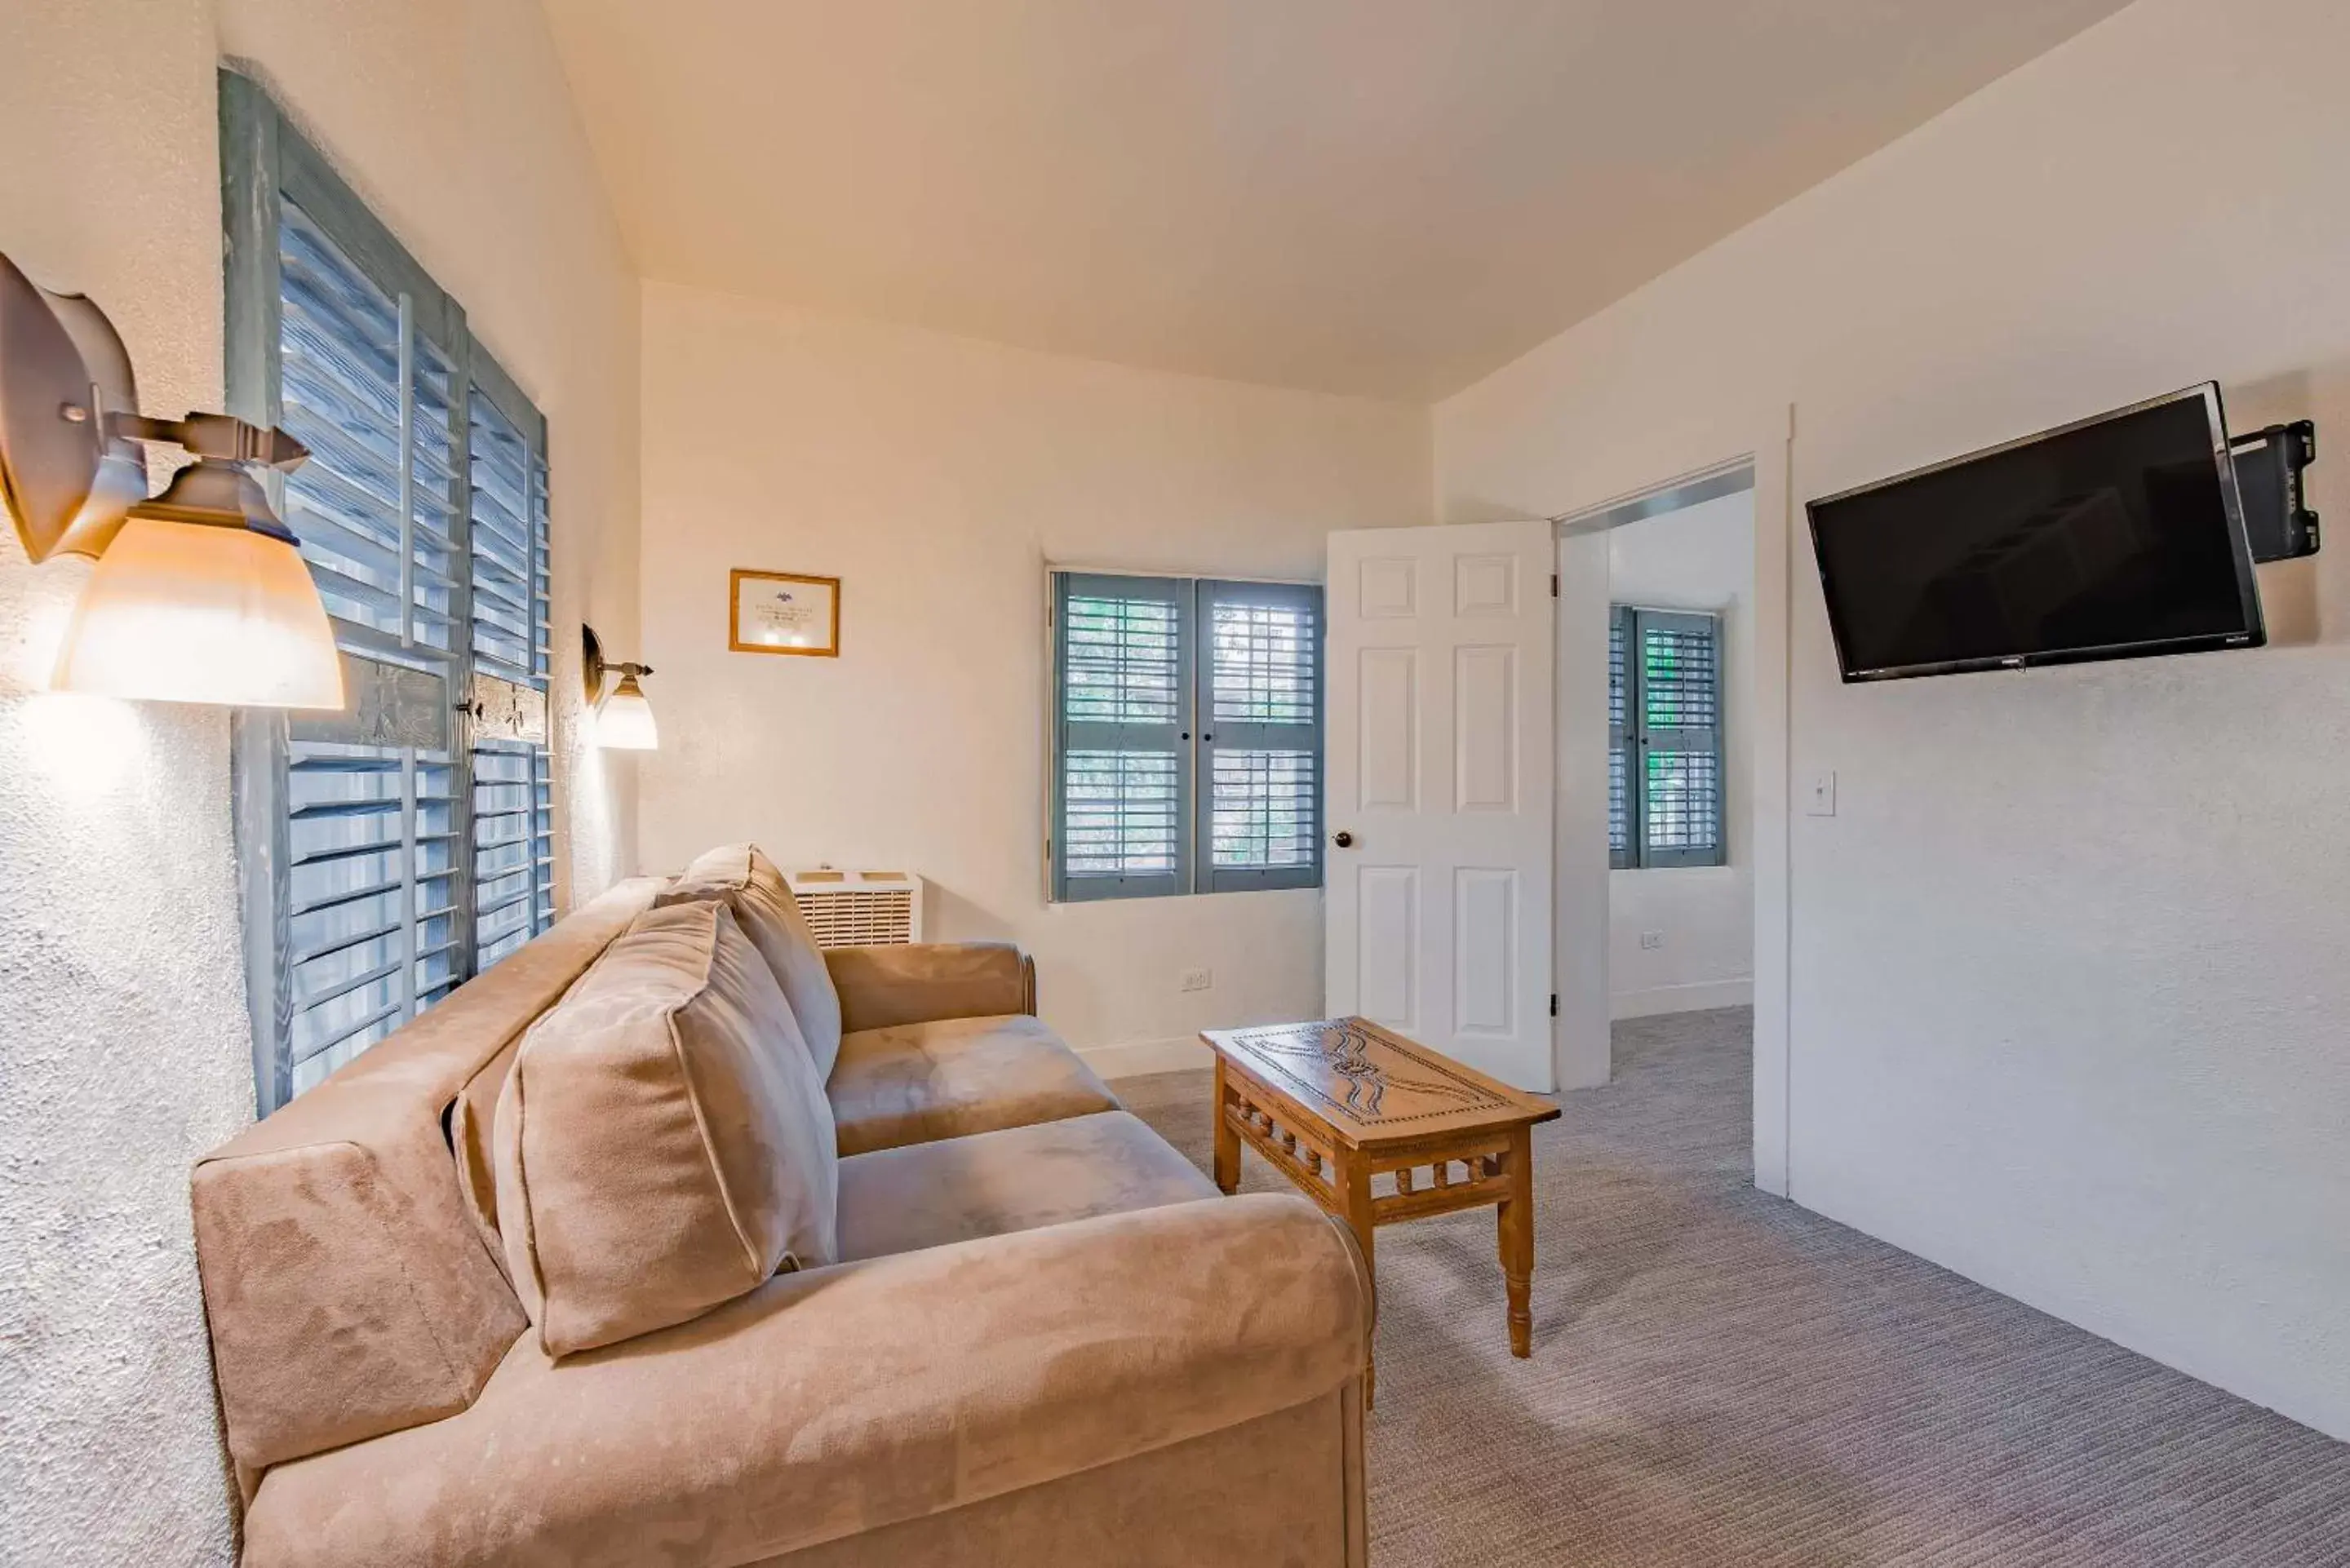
{"x": 922, "y": 982}
{"x": 843, "y": 1400}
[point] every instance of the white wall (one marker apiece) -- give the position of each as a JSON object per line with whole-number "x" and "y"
{"x": 124, "y": 1049}
{"x": 938, "y": 477}
{"x": 2065, "y": 995}
{"x": 1701, "y": 557}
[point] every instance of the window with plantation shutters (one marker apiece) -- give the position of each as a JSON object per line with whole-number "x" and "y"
{"x": 1666, "y": 803}
{"x": 390, "y": 851}
{"x": 1186, "y": 721}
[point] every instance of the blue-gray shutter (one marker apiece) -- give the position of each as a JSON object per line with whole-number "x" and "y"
{"x": 1623, "y": 804}
{"x": 1121, "y": 736}
{"x": 1677, "y": 692}
{"x": 1260, "y": 751}
{"x": 374, "y": 879}
{"x": 513, "y": 780}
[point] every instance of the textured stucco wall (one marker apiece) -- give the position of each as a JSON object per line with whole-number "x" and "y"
{"x": 124, "y": 1048}
{"x": 2065, "y": 995}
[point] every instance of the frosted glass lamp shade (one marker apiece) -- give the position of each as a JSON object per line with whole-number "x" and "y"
{"x": 625, "y": 722}
{"x": 197, "y": 612}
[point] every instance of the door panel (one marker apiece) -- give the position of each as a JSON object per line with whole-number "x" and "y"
{"x": 1388, "y": 714}
{"x": 1485, "y": 729}
{"x": 1441, "y": 759}
{"x": 1484, "y": 951}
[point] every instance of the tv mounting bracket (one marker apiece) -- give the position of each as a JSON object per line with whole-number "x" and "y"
{"x": 2269, "y": 465}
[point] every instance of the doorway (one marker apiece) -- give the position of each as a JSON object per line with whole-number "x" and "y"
{"x": 1656, "y": 863}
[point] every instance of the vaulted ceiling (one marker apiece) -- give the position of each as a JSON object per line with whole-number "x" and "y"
{"x": 1385, "y": 197}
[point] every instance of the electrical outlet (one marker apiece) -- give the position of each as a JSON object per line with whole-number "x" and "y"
{"x": 1820, "y": 801}
{"x": 1198, "y": 979}
{"x": 1652, "y": 939}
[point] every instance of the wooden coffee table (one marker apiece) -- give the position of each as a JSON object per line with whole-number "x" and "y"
{"x": 1332, "y": 1104}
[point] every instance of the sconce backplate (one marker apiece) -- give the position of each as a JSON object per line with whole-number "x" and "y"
{"x": 51, "y": 437}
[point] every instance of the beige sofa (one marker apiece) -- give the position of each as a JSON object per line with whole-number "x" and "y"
{"x": 1046, "y": 1339}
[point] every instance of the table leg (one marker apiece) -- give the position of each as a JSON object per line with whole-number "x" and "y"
{"x": 1228, "y": 1136}
{"x": 1515, "y": 1223}
{"x": 1353, "y": 1185}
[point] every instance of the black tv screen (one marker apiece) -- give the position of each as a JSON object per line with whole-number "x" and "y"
{"x": 2115, "y": 538}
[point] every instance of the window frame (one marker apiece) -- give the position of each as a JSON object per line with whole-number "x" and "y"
{"x": 416, "y": 698}
{"x": 1633, "y": 737}
{"x": 1197, "y": 737}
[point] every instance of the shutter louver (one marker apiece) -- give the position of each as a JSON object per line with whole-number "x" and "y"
{"x": 1122, "y": 717}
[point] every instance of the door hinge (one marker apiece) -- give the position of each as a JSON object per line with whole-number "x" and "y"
{"x": 1554, "y": 585}
{"x": 1553, "y": 1004}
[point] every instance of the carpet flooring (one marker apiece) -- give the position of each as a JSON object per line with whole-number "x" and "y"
{"x": 1722, "y": 1379}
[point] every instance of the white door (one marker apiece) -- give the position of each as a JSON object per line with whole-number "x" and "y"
{"x": 1439, "y": 803}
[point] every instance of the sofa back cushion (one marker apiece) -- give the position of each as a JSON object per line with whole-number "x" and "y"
{"x": 749, "y": 884}
{"x": 663, "y": 1144}
{"x": 348, "y": 1291}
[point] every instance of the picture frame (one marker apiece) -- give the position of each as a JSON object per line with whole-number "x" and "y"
{"x": 782, "y": 612}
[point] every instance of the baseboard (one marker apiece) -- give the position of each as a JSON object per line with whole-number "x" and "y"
{"x": 1137, "y": 1057}
{"x": 1695, "y": 997}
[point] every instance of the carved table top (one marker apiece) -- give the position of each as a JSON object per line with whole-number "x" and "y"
{"x": 1370, "y": 1084}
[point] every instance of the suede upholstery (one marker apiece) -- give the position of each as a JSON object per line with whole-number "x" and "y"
{"x": 346, "y": 1288}
{"x": 1047, "y": 1343}
{"x": 992, "y": 1184}
{"x": 954, "y": 1076}
{"x": 881, "y": 988}
{"x": 472, "y": 1122}
{"x": 663, "y": 1145}
{"x": 855, "y": 1398}
{"x": 750, "y": 884}
{"x": 1178, "y": 1507}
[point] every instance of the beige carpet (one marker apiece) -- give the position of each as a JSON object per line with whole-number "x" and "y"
{"x": 1720, "y": 1378}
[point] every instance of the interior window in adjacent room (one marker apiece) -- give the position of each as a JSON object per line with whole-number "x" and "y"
{"x": 1665, "y": 793}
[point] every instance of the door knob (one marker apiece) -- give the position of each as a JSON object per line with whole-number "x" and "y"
{"x": 1343, "y": 839}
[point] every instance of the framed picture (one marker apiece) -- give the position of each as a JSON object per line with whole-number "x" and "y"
{"x": 784, "y": 612}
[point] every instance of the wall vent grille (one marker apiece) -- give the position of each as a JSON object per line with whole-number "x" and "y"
{"x": 860, "y": 909}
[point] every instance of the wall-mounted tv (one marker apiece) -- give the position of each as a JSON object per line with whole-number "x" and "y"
{"x": 2117, "y": 538}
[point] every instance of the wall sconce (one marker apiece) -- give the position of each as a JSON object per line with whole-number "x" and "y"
{"x": 200, "y": 595}
{"x": 623, "y": 721}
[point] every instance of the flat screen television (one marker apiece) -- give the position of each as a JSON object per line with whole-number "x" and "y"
{"x": 2115, "y": 537}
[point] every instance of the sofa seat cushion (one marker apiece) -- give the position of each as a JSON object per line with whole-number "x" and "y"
{"x": 918, "y": 1082}
{"x": 992, "y": 1184}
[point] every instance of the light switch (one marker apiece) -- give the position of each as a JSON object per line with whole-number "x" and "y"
{"x": 1821, "y": 801}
